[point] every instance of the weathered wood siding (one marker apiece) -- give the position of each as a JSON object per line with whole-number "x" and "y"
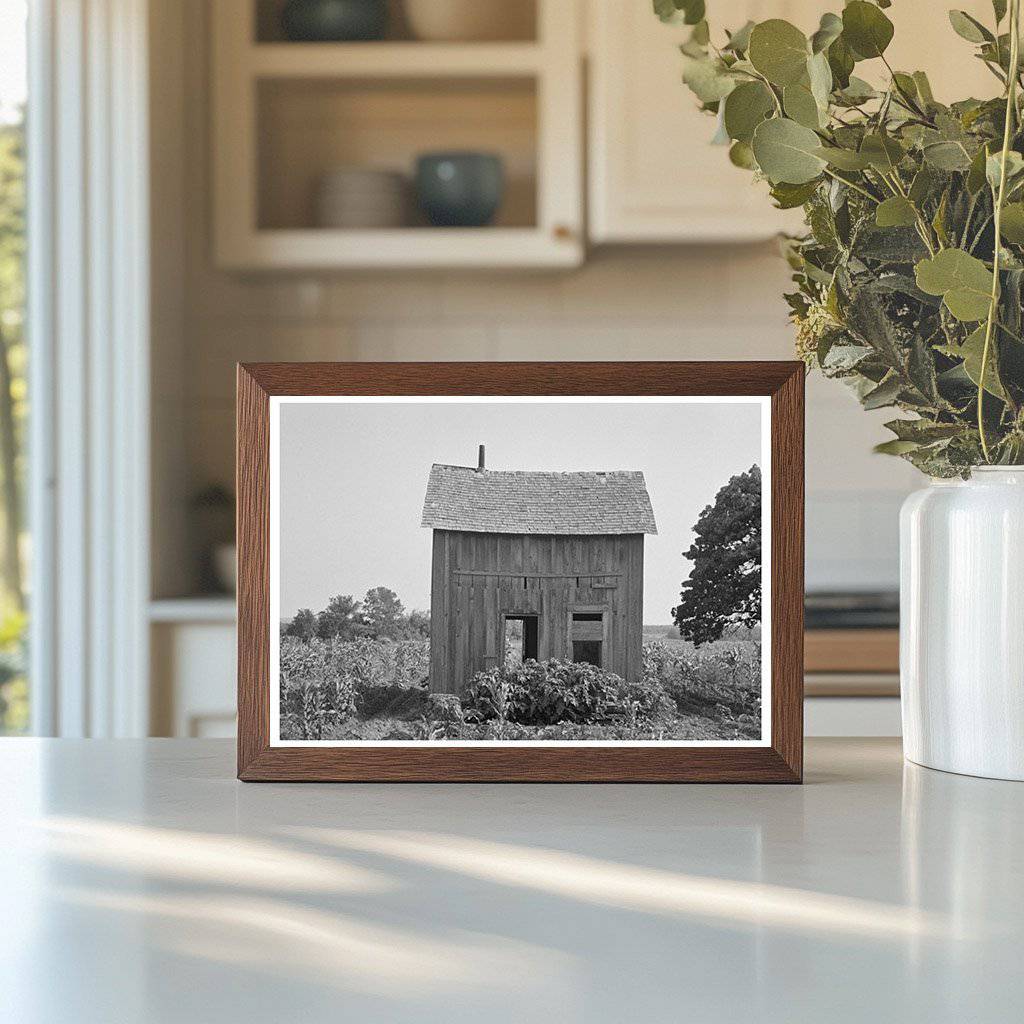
{"x": 478, "y": 578}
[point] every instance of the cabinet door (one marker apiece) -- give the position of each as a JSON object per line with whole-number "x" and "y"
{"x": 654, "y": 176}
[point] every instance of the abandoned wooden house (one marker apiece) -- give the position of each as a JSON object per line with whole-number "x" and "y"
{"x": 553, "y": 560}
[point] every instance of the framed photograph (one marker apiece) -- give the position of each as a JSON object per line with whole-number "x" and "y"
{"x": 513, "y": 572}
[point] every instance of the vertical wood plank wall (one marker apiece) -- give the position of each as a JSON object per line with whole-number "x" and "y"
{"x": 478, "y": 578}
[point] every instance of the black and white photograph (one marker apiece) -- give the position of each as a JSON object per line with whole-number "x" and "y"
{"x": 528, "y": 570}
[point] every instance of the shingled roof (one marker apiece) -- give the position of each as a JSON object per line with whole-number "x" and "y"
{"x": 486, "y": 501}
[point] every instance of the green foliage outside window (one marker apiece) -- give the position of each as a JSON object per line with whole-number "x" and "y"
{"x": 13, "y": 413}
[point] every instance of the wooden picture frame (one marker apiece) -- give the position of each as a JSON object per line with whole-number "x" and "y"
{"x": 778, "y": 760}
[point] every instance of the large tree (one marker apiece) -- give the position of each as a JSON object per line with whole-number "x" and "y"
{"x": 384, "y": 613}
{"x": 724, "y": 587}
{"x": 342, "y": 619}
{"x": 303, "y": 626}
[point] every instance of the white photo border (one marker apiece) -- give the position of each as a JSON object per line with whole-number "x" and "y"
{"x": 274, "y": 681}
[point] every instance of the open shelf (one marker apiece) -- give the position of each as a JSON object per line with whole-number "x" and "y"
{"x": 309, "y": 127}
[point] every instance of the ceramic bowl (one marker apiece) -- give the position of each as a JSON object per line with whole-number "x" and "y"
{"x": 470, "y": 20}
{"x": 333, "y": 21}
{"x": 359, "y": 197}
{"x": 460, "y": 189}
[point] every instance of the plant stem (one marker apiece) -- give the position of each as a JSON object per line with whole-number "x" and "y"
{"x": 1011, "y": 109}
{"x": 853, "y": 185}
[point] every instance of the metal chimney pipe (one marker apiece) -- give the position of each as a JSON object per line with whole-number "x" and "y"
{"x": 480, "y": 464}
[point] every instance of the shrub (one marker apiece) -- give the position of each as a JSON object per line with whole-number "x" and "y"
{"x": 644, "y": 702}
{"x": 444, "y": 707}
{"x": 390, "y": 699}
{"x": 551, "y": 692}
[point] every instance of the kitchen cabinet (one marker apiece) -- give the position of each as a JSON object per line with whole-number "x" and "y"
{"x": 287, "y": 114}
{"x": 654, "y": 177}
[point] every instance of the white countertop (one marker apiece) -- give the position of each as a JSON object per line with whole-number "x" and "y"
{"x": 140, "y": 882}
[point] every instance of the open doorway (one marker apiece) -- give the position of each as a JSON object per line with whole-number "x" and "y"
{"x": 521, "y": 638}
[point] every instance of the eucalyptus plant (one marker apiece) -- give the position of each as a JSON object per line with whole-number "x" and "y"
{"x": 910, "y": 278}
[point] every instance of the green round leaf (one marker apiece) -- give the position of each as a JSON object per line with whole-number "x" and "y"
{"x": 829, "y": 30}
{"x": 963, "y": 281}
{"x": 1012, "y": 224}
{"x": 857, "y": 91}
{"x": 787, "y": 152}
{"x": 690, "y": 12}
{"x": 969, "y": 28}
{"x": 779, "y": 51}
{"x": 883, "y": 152}
{"x": 972, "y": 351}
{"x": 819, "y": 74}
{"x": 866, "y": 29}
{"x": 707, "y": 79}
{"x": 741, "y": 155}
{"x": 740, "y": 39}
{"x": 947, "y": 156}
{"x": 840, "y": 62}
{"x": 844, "y": 159}
{"x": 800, "y": 106}
{"x": 745, "y": 108}
{"x": 895, "y": 212}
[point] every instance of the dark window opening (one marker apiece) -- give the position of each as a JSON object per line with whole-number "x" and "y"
{"x": 588, "y": 651}
{"x": 587, "y": 617}
{"x": 521, "y": 638}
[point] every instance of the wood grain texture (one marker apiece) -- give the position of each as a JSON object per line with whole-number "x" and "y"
{"x": 787, "y": 568}
{"x": 253, "y": 533}
{"x": 480, "y": 578}
{"x": 780, "y": 762}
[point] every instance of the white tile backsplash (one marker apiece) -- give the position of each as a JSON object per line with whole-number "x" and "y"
{"x": 666, "y": 303}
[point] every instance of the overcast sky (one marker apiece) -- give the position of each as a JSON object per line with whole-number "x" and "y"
{"x": 353, "y": 478}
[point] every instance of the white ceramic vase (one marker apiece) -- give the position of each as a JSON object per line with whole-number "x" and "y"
{"x": 962, "y": 624}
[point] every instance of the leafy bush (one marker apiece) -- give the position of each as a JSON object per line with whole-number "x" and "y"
{"x": 552, "y": 692}
{"x": 910, "y": 278}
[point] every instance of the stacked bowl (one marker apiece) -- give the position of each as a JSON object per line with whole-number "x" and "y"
{"x": 362, "y": 197}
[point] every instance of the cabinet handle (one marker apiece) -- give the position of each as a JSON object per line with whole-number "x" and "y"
{"x": 562, "y": 232}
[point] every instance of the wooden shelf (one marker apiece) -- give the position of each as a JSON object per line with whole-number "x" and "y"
{"x": 392, "y": 60}
{"x": 319, "y": 248}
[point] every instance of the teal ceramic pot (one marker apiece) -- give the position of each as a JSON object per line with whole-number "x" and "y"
{"x": 334, "y": 21}
{"x": 460, "y": 189}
